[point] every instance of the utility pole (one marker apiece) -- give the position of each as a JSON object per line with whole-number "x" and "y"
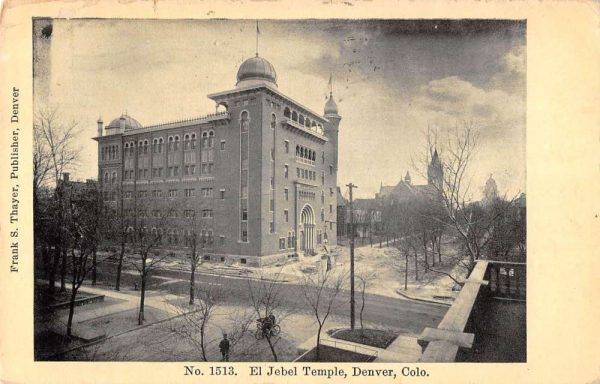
{"x": 350, "y": 187}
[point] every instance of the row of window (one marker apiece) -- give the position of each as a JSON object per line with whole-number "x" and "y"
{"x": 188, "y": 192}
{"x": 305, "y": 121}
{"x": 172, "y": 214}
{"x": 110, "y": 152}
{"x": 172, "y": 236}
{"x": 206, "y": 169}
{"x": 173, "y": 142}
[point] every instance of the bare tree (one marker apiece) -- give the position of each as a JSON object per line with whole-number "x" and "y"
{"x": 320, "y": 292}
{"x": 266, "y": 298}
{"x": 145, "y": 241}
{"x": 55, "y": 152}
{"x": 365, "y": 279}
{"x": 83, "y": 218}
{"x": 198, "y": 317}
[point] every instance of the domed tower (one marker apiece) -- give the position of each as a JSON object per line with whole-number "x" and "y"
{"x": 122, "y": 124}
{"x": 435, "y": 172}
{"x": 332, "y": 129}
{"x": 256, "y": 71}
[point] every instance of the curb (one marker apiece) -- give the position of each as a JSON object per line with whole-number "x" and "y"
{"x": 423, "y": 300}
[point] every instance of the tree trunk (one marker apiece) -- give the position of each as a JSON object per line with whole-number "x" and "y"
{"x": 362, "y": 308}
{"x": 53, "y": 270}
{"x": 63, "y": 270}
{"x": 94, "y": 266}
{"x": 143, "y": 293}
{"x": 202, "y": 340}
{"x": 416, "y": 266}
{"x": 71, "y": 310}
{"x": 192, "y": 282}
{"x": 120, "y": 266}
{"x": 406, "y": 272}
{"x": 317, "y": 350}
{"x": 272, "y": 346}
{"x": 439, "y": 248}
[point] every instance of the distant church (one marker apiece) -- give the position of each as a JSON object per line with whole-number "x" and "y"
{"x": 256, "y": 181}
{"x": 405, "y": 190}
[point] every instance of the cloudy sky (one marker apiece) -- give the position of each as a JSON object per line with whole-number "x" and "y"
{"x": 392, "y": 79}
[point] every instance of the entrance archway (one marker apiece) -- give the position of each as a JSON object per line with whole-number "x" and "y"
{"x": 307, "y": 229}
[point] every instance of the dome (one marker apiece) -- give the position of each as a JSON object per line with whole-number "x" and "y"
{"x": 257, "y": 69}
{"x": 129, "y": 122}
{"x": 331, "y": 107}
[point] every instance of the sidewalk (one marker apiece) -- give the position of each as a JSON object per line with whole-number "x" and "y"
{"x": 404, "y": 349}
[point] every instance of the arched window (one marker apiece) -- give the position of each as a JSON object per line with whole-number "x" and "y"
{"x": 297, "y": 151}
{"x": 294, "y": 116}
{"x": 301, "y": 120}
{"x": 171, "y": 143}
{"x": 140, "y": 147}
{"x": 116, "y": 151}
{"x": 186, "y": 141}
{"x": 204, "y": 139}
{"x": 160, "y": 144}
{"x": 193, "y": 137}
{"x": 176, "y": 147}
{"x": 307, "y": 122}
{"x": 106, "y": 176}
{"x": 273, "y": 121}
{"x": 126, "y": 148}
{"x": 211, "y": 139}
{"x": 145, "y": 146}
{"x": 154, "y": 145}
{"x": 244, "y": 122}
{"x": 113, "y": 178}
{"x": 131, "y": 148}
{"x": 287, "y": 113}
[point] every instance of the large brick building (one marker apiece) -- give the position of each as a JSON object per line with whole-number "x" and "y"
{"x": 256, "y": 180}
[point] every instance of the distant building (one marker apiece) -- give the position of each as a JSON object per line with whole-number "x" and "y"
{"x": 259, "y": 175}
{"x": 405, "y": 190}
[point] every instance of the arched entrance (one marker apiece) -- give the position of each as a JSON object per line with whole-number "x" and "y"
{"x": 307, "y": 230}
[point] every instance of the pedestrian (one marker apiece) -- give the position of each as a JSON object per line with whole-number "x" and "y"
{"x": 224, "y": 347}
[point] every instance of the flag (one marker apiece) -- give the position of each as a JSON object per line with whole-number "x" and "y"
{"x": 257, "y": 29}
{"x": 330, "y": 79}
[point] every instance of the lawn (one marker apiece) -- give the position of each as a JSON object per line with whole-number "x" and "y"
{"x": 378, "y": 338}
{"x": 334, "y": 355}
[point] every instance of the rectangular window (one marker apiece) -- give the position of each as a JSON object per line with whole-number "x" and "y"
{"x": 286, "y": 145}
{"x": 298, "y": 172}
{"x": 285, "y": 171}
{"x": 189, "y": 192}
{"x": 331, "y": 169}
{"x": 282, "y": 243}
{"x": 222, "y": 145}
{"x": 172, "y": 193}
{"x": 222, "y": 241}
{"x": 286, "y": 194}
{"x": 175, "y": 171}
{"x": 330, "y": 191}
{"x": 286, "y": 217}
{"x": 207, "y": 213}
{"x": 271, "y": 227}
{"x": 330, "y": 208}
{"x": 272, "y": 204}
{"x": 189, "y": 213}
{"x": 244, "y": 214}
{"x": 222, "y": 194}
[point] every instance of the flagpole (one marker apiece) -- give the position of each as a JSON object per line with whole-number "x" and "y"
{"x": 257, "y": 32}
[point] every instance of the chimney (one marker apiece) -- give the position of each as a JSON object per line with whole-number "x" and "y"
{"x": 100, "y": 123}
{"x": 66, "y": 177}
